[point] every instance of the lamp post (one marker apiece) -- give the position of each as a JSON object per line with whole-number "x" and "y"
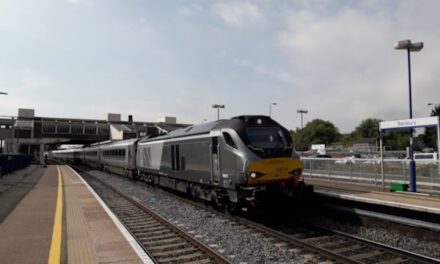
{"x": 301, "y": 112}
{"x": 218, "y": 109}
{"x": 408, "y": 46}
{"x": 1, "y": 142}
{"x": 270, "y": 108}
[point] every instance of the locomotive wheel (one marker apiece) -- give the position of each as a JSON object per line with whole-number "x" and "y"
{"x": 231, "y": 208}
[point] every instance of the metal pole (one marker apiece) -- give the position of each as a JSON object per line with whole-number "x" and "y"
{"x": 218, "y": 113}
{"x": 438, "y": 144}
{"x": 412, "y": 164}
{"x": 302, "y": 136}
{"x": 12, "y": 135}
{"x": 381, "y": 161}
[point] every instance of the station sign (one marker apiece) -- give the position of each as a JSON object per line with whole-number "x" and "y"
{"x": 410, "y": 123}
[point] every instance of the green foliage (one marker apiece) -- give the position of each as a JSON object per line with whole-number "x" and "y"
{"x": 369, "y": 128}
{"x": 396, "y": 140}
{"x": 319, "y": 131}
{"x": 316, "y": 131}
{"x": 429, "y": 139}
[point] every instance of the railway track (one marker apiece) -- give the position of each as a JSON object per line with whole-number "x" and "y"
{"x": 336, "y": 246}
{"x": 320, "y": 244}
{"x": 163, "y": 241}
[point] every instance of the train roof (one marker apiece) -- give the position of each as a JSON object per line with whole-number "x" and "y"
{"x": 118, "y": 143}
{"x": 205, "y": 128}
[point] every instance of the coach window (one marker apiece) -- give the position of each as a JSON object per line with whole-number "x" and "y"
{"x": 172, "y": 158}
{"x": 229, "y": 140}
{"x": 177, "y": 158}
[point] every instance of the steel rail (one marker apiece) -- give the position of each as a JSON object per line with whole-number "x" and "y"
{"x": 310, "y": 246}
{"x": 217, "y": 257}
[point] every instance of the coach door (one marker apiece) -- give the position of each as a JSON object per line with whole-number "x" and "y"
{"x": 215, "y": 161}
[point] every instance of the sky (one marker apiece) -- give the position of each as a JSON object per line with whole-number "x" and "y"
{"x": 151, "y": 59}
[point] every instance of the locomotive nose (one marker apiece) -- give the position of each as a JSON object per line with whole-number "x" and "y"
{"x": 273, "y": 170}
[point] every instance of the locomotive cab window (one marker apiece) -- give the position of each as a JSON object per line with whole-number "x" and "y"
{"x": 228, "y": 139}
{"x": 266, "y": 137}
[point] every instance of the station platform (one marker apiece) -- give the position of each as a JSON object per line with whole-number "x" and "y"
{"x": 62, "y": 220}
{"x": 422, "y": 202}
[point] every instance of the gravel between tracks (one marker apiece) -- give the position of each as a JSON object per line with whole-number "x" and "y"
{"x": 240, "y": 246}
{"x": 427, "y": 246}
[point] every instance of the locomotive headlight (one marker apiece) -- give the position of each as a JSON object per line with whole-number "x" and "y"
{"x": 255, "y": 174}
{"x": 296, "y": 172}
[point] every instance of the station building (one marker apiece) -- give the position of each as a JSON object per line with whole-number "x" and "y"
{"x": 33, "y": 135}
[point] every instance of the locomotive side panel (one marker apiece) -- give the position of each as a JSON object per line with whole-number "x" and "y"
{"x": 195, "y": 161}
{"x": 187, "y": 159}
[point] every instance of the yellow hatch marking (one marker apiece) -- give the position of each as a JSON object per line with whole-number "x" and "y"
{"x": 55, "y": 246}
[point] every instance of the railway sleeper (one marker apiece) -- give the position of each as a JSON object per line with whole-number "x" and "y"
{"x": 143, "y": 224}
{"x": 158, "y": 243}
{"x": 335, "y": 244}
{"x": 161, "y": 241}
{"x": 202, "y": 261}
{"x": 367, "y": 255}
{"x": 156, "y": 233}
{"x": 154, "y": 229}
{"x": 134, "y": 217}
{"x": 185, "y": 251}
{"x": 140, "y": 229}
{"x": 140, "y": 223}
{"x": 348, "y": 249}
{"x": 183, "y": 259}
{"x": 397, "y": 260}
{"x": 168, "y": 246}
{"x": 317, "y": 239}
{"x": 149, "y": 237}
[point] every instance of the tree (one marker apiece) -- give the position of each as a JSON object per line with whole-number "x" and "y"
{"x": 369, "y": 128}
{"x": 430, "y": 136}
{"x": 316, "y": 131}
{"x": 396, "y": 140}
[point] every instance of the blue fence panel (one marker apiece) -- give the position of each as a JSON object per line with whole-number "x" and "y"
{"x": 11, "y": 163}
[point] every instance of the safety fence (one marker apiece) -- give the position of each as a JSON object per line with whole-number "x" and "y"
{"x": 11, "y": 163}
{"x": 369, "y": 171}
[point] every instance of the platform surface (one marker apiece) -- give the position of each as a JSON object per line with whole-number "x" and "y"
{"x": 373, "y": 194}
{"x": 87, "y": 234}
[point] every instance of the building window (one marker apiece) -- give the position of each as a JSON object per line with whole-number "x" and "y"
{"x": 77, "y": 129}
{"x": 90, "y": 130}
{"x": 23, "y": 133}
{"x": 63, "y": 129}
{"x": 48, "y": 129}
{"x": 103, "y": 131}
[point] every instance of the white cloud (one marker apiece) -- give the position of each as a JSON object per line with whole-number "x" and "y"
{"x": 240, "y": 15}
{"x": 189, "y": 10}
{"x": 349, "y": 36}
{"x": 77, "y": 1}
{"x": 36, "y": 80}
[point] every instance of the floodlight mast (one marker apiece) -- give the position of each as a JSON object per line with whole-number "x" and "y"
{"x": 410, "y": 47}
{"x": 301, "y": 111}
{"x": 218, "y": 106}
{"x": 270, "y": 108}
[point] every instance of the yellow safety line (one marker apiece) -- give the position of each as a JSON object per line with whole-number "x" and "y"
{"x": 55, "y": 246}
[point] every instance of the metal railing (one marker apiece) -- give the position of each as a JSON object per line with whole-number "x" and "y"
{"x": 369, "y": 171}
